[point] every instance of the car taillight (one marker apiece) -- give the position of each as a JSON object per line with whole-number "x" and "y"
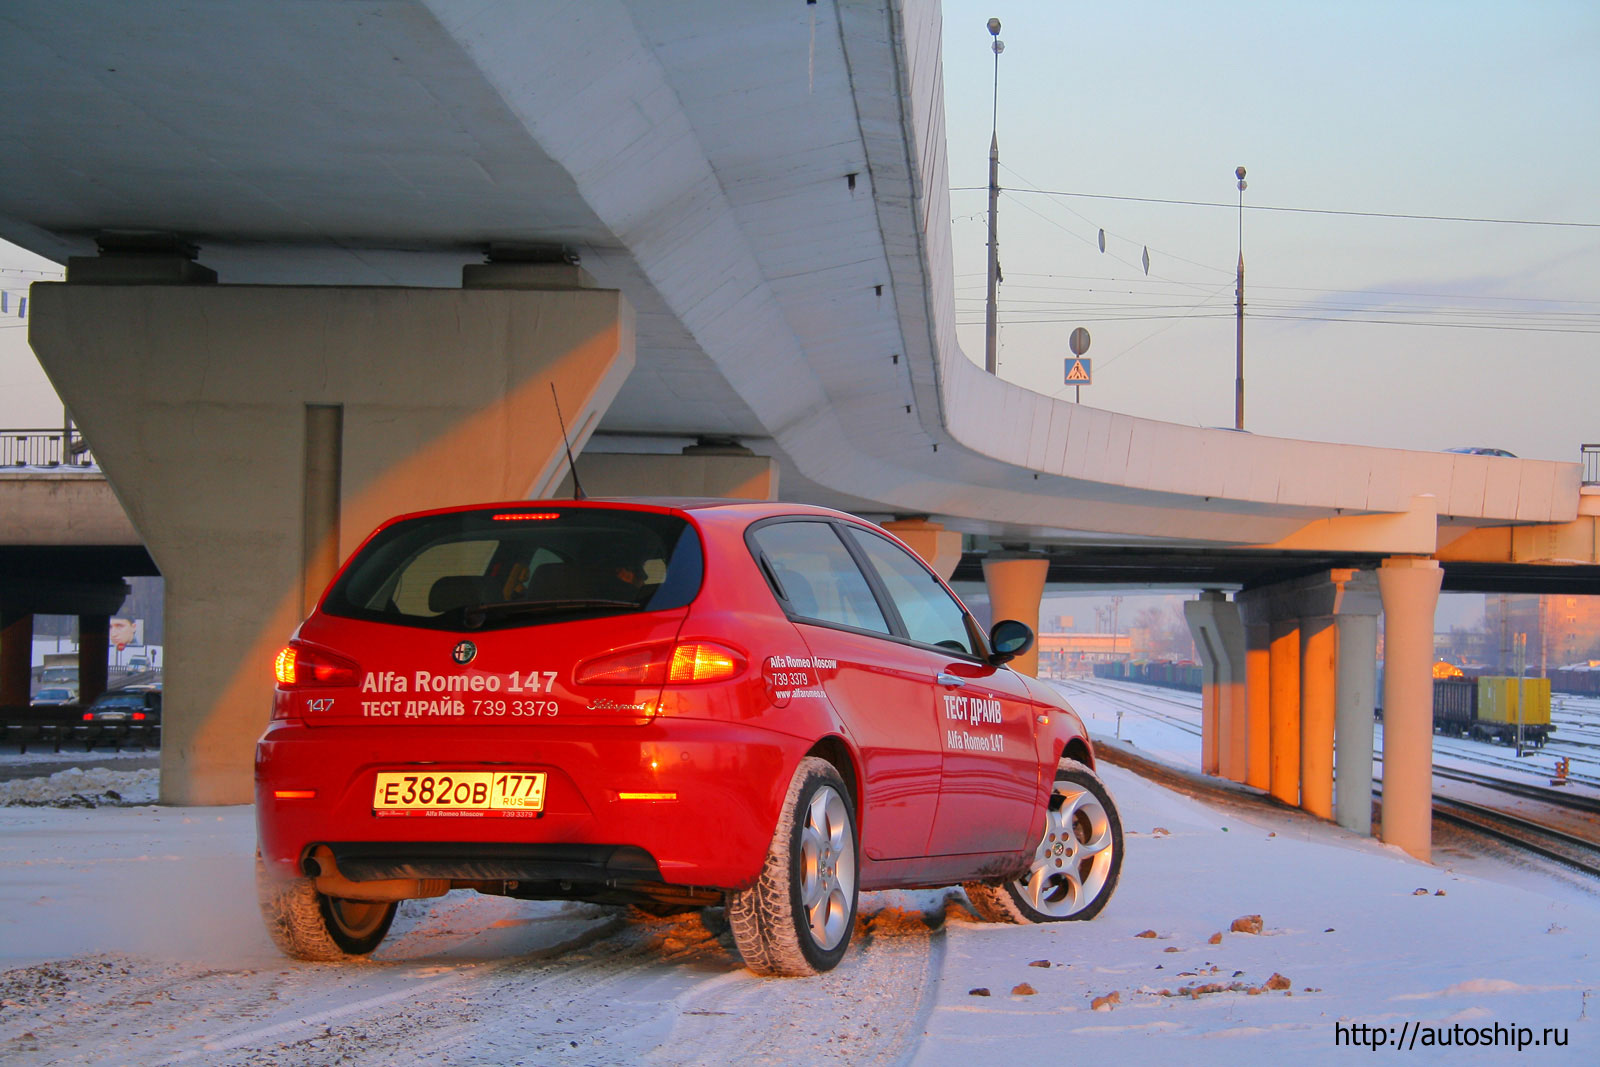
{"x": 301, "y": 667}
{"x": 688, "y": 663}
{"x": 88, "y": 716}
{"x": 138, "y": 716}
{"x": 702, "y": 661}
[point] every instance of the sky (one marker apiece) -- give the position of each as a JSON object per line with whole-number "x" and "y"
{"x": 1358, "y": 329}
{"x": 1412, "y": 333}
{"x": 26, "y": 399}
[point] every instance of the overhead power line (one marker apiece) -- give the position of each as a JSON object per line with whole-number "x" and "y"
{"x": 1292, "y": 210}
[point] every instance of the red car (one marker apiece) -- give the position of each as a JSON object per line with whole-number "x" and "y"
{"x": 675, "y": 704}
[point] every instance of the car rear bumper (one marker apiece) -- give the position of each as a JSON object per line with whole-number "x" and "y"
{"x": 683, "y": 802}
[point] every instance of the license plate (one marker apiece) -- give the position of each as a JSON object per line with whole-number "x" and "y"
{"x": 468, "y": 793}
{"x": 113, "y": 716}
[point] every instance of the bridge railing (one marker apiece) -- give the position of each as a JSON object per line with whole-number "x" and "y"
{"x": 1591, "y": 464}
{"x": 44, "y": 448}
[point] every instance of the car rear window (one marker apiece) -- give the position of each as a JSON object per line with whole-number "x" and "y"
{"x": 484, "y": 570}
{"x": 121, "y": 700}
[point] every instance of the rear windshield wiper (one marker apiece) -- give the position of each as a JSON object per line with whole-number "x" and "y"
{"x": 475, "y": 617}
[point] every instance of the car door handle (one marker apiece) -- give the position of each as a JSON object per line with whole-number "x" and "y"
{"x": 952, "y": 680}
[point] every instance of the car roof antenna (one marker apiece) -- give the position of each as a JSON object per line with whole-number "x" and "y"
{"x": 577, "y": 488}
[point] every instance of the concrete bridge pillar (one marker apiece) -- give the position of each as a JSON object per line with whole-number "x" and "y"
{"x": 1016, "y": 588}
{"x": 255, "y": 434}
{"x": 1410, "y": 590}
{"x": 699, "y": 471}
{"x": 1258, "y": 698}
{"x": 1220, "y": 638}
{"x": 1355, "y": 701}
{"x": 94, "y": 648}
{"x": 1314, "y": 633}
{"x": 16, "y": 656}
{"x": 1319, "y": 655}
{"x": 938, "y": 547}
{"x": 1284, "y": 679}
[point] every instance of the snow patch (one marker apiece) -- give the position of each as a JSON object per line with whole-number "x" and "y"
{"x": 79, "y": 788}
{"x": 1476, "y": 986}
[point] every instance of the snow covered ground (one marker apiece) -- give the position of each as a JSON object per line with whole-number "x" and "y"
{"x": 129, "y": 935}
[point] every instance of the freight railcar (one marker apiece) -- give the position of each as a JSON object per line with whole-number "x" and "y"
{"x": 1580, "y": 681}
{"x": 1185, "y": 676}
{"x": 1485, "y": 709}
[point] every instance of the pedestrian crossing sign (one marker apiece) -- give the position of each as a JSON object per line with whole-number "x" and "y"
{"x": 1078, "y": 371}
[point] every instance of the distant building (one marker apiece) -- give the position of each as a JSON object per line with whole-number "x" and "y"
{"x": 1560, "y": 630}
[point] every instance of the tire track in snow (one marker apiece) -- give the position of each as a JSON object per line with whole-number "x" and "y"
{"x": 872, "y": 1009}
{"x": 571, "y": 999}
{"x": 100, "y": 1009}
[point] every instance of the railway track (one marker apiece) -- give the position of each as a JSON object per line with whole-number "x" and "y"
{"x": 1568, "y": 850}
{"x": 1543, "y": 794}
{"x": 1503, "y": 763}
{"x": 1111, "y": 696}
{"x": 1572, "y": 852}
{"x": 1563, "y": 848}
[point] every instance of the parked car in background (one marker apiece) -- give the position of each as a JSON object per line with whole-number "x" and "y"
{"x": 1477, "y": 450}
{"x": 117, "y": 710}
{"x": 53, "y": 695}
{"x": 762, "y": 706}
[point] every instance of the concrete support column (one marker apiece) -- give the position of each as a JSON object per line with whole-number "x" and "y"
{"x": 256, "y": 434}
{"x": 94, "y": 648}
{"x": 938, "y": 547}
{"x": 16, "y": 656}
{"x": 1319, "y": 654}
{"x": 1409, "y": 587}
{"x": 1258, "y": 704}
{"x": 1016, "y": 587}
{"x": 1285, "y": 711}
{"x": 1219, "y": 637}
{"x": 1357, "y": 673}
{"x": 698, "y": 472}
{"x": 324, "y": 445}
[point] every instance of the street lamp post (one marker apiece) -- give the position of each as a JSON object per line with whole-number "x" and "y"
{"x": 991, "y": 316}
{"x": 1238, "y": 369}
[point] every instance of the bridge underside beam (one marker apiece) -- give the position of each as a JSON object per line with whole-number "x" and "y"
{"x": 257, "y": 434}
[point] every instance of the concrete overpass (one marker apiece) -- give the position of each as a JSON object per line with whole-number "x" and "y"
{"x": 325, "y": 263}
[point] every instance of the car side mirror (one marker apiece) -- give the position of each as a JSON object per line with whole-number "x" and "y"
{"x": 1008, "y": 640}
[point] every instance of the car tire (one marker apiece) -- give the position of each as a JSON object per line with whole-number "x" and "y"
{"x": 308, "y": 925}
{"x": 798, "y": 917}
{"x": 1075, "y": 865}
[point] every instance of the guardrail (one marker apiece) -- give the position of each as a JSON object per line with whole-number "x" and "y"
{"x": 1591, "y": 464}
{"x": 55, "y": 724}
{"x": 44, "y": 448}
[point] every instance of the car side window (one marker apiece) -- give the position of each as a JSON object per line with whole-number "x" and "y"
{"x": 818, "y": 577}
{"x": 931, "y": 615}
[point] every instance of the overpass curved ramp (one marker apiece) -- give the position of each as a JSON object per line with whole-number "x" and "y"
{"x": 767, "y": 185}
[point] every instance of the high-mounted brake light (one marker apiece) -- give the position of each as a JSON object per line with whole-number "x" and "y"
{"x": 526, "y": 516}
{"x": 689, "y": 663}
{"x": 298, "y": 667}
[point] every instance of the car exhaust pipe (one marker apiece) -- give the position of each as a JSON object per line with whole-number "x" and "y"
{"x": 320, "y": 866}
